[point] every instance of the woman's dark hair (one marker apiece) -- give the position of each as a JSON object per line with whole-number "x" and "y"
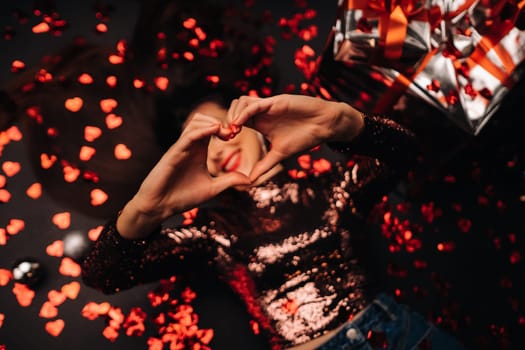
{"x": 205, "y": 49}
{"x": 209, "y": 50}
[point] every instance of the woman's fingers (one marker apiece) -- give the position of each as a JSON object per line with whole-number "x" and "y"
{"x": 249, "y": 107}
{"x": 271, "y": 159}
{"x": 228, "y": 180}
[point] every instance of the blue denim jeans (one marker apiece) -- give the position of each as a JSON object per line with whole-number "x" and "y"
{"x": 385, "y": 324}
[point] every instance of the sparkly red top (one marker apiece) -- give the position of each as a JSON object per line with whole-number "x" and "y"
{"x": 290, "y": 248}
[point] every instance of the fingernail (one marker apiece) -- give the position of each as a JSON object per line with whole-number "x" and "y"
{"x": 234, "y": 128}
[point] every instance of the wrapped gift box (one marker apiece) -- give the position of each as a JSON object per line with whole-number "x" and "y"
{"x": 460, "y": 56}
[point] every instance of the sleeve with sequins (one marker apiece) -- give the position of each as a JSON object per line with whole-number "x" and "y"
{"x": 114, "y": 263}
{"x": 391, "y": 150}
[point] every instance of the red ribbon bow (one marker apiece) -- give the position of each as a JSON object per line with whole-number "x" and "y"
{"x": 394, "y": 16}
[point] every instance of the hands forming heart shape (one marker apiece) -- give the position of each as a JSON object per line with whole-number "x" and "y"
{"x": 181, "y": 179}
{"x": 293, "y": 123}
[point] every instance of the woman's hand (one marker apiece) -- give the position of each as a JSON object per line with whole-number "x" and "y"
{"x": 179, "y": 181}
{"x": 293, "y": 123}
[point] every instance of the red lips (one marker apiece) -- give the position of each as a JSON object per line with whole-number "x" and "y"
{"x": 231, "y": 162}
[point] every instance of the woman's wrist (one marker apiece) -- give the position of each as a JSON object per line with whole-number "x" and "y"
{"x": 133, "y": 223}
{"x": 349, "y": 123}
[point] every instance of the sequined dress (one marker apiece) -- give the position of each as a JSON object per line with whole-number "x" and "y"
{"x": 290, "y": 248}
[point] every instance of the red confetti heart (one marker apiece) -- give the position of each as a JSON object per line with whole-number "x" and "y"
{"x": 101, "y": 28}
{"x": 55, "y": 327}
{"x": 55, "y": 297}
{"x": 41, "y": 27}
{"x": 111, "y": 81}
{"x": 94, "y": 233}
{"x": 205, "y": 336}
{"x": 17, "y": 65}
{"x": 322, "y": 166}
{"x": 304, "y": 161}
{"x": 62, "y": 220}
{"x": 115, "y": 59}
{"x": 14, "y": 133}
{"x": 91, "y": 133}
{"x": 110, "y": 333}
{"x": 86, "y": 153}
{"x": 71, "y": 174}
{"x": 15, "y": 226}
{"x": 122, "y": 152}
{"x": 47, "y": 161}
{"x": 69, "y": 268}
{"x": 74, "y": 104}
{"x": 93, "y": 310}
{"x": 48, "y": 310}
{"x": 163, "y": 82}
{"x": 3, "y": 236}
{"x": 85, "y": 79}
{"x": 55, "y": 249}
{"x": 11, "y": 168}
{"x": 108, "y": 105}
{"x": 23, "y": 294}
{"x": 98, "y": 197}
{"x": 71, "y": 290}
{"x": 34, "y": 191}
{"x": 5, "y": 277}
{"x": 113, "y": 121}
{"x": 5, "y": 195}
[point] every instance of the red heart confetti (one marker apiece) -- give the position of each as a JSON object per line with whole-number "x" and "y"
{"x": 15, "y": 226}
{"x": 115, "y": 59}
{"x": 71, "y": 290}
{"x": 56, "y": 248}
{"x": 93, "y": 310}
{"x": 68, "y": 267}
{"x": 47, "y": 161}
{"x": 91, "y": 133}
{"x": 14, "y": 133}
{"x": 162, "y": 82}
{"x": 74, "y": 104}
{"x": 189, "y": 216}
{"x": 122, "y": 152}
{"x": 321, "y": 166}
{"x": 55, "y": 297}
{"x": 34, "y": 191}
{"x": 24, "y": 295}
{"x": 94, "y": 233}
{"x": 3, "y": 236}
{"x": 86, "y": 153}
{"x": 71, "y": 174}
{"x": 41, "y": 27}
{"x": 108, "y": 105}
{"x": 111, "y": 81}
{"x": 85, "y": 79}
{"x": 110, "y": 333}
{"x": 305, "y": 161}
{"x": 5, "y": 195}
{"x": 62, "y": 220}
{"x": 5, "y": 277}
{"x": 11, "y": 168}
{"x": 48, "y": 310}
{"x": 113, "y": 121}
{"x": 98, "y": 197}
{"x": 55, "y": 327}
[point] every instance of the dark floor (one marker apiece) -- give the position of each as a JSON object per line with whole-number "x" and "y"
{"x": 467, "y": 194}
